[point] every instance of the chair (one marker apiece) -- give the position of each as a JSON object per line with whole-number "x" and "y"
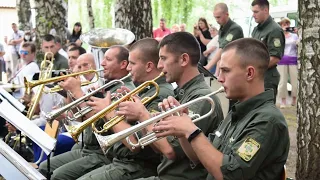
{"x": 52, "y": 132}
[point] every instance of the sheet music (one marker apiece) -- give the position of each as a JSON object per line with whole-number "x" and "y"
{"x": 22, "y": 123}
{"x": 12, "y": 100}
{"x": 14, "y": 167}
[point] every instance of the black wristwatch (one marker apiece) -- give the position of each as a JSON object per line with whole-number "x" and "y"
{"x": 194, "y": 134}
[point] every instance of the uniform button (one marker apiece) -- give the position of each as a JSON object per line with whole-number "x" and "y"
{"x": 181, "y": 92}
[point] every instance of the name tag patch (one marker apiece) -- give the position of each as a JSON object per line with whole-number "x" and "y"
{"x": 276, "y": 42}
{"x": 248, "y": 149}
{"x": 229, "y": 37}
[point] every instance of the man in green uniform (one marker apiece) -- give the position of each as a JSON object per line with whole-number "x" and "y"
{"x": 73, "y": 164}
{"x": 179, "y": 55}
{"x": 253, "y": 141}
{"x": 228, "y": 32}
{"x": 129, "y": 163}
{"x": 271, "y": 34}
{"x": 49, "y": 45}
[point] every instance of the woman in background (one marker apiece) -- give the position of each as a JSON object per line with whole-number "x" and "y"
{"x": 76, "y": 33}
{"x": 287, "y": 66}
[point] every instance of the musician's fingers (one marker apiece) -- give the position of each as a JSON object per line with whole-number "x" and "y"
{"x": 165, "y": 104}
{"x": 92, "y": 98}
{"x": 173, "y": 102}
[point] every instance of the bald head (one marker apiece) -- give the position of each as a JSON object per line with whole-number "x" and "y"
{"x": 86, "y": 62}
{"x": 222, "y": 7}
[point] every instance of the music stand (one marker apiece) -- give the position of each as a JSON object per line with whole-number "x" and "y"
{"x": 13, "y": 166}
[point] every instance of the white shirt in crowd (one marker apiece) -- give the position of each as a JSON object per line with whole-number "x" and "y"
{"x": 27, "y": 70}
{"x": 213, "y": 42}
{"x": 15, "y": 48}
{"x": 63, "y": 53}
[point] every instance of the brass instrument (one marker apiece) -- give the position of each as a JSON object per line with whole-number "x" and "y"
{"x": 107, "y": 141}
{"x": 45, "y": 73}
{"x": 83, "y": 111}
{"x": 76, "y": 130}
{"x": 31, "y": 84}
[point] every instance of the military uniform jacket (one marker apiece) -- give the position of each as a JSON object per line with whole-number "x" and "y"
{"x": 60, "y": 62}
{"x": 180, "y": 168}
{"x": 91, "y": 144}
{"x": 271, "y": 34}
{"x": 229, "y": 32}
{"x": 146, "y": 157}
{"x": 254, "y": 140}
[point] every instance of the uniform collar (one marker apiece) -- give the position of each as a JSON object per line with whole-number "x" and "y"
{"x": 239, "y": 110}
{"x": 265, "y": 23}
{"x": 227, "y": 25}
{"x": 180, "y": 91}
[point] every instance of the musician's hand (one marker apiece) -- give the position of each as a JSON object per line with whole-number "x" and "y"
{"x": 10, "y": 127}
{"x": 133, "y": 111}
{"x": 207, "y": 67}
{"x": 171, "y": 103}
{"x": 98, "y": 104}
{"x": 179, "y": 126}
{"x": 123, "y": 90}
{"x": 71, "y": 84}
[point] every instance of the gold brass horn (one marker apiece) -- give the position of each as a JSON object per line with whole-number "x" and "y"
{"x": 107, "y": 141}
{"x": 76, "y": 130}
{"x": 83, "y": 111}
{"x": 31, "y": 84}
{"x": 46, "y": 67}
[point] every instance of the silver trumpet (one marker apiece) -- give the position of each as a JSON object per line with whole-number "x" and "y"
{"x": 107, "y": 141}
{"x": 81, "y": 111}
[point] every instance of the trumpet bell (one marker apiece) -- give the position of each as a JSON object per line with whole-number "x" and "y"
{"x": 104, "y": 38}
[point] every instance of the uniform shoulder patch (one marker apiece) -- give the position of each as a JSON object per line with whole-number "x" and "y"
{"x": 276, "y": 42}
{"x": 248, "y": 149}
{"x": 229, "y": 37}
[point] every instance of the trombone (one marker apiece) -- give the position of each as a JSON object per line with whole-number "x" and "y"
{"x": 83, "y": 111}
{"x": 76, "y": 130}
{"x": 45, "y": 73}
{"x": 31, "y": 84}
{"x": 107, "y": 141}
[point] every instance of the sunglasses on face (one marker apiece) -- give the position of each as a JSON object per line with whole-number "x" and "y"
{"x": 24, "y": 52}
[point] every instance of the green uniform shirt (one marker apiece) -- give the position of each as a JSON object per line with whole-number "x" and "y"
{"x": 271, "y": 34}
{"x": 229, "y": 32}
{"x": 180, "y": 167}
{"x": 91, "y": 144}
{"x": 146, "y": 157}
{"x": 254, "y": 139}
{"x": 60, "y": 62}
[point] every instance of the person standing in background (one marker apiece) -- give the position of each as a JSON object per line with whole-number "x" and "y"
{"x": 183, "y": 27}
{"x": 288, "y": 64}
{"x": 15, "y": 41}
{"x": 271, "y": 34}
{"x": 2, "y": 63}
{"x": 162, "y": 31}
{"x": 212, "y": 47}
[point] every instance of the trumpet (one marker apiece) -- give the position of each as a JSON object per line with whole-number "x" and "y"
{"x": 31, "y": 84}
{"x": 115, "y": 120}
{"x": 107, "y": 141}
{"x": 83, "y": 111}
{"x": 46, "y": 67}
{"x": 75, "y": 131}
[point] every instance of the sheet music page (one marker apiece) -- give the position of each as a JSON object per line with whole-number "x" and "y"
{"x": 22, "y": 123}
{"x": 12, "y": 100}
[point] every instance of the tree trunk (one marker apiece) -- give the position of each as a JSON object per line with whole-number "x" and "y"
{"x": 51, "y": 14}
{"x": 135, "y": 16}
{"x": 308, "y": 133}
{"x": 90, "y": 14}
{"x": 24, "y": 14}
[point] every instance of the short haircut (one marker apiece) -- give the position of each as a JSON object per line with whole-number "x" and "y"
{"x": 285, "y": 20}
{"x": 250, "y": 52}
{"x": 261, "y": 3}
{"x": 182, "y": 42}
{"x": 31, "y": 45}
{"x": 222, "y": 6}
{"x": 78, "y": 48}
{"x": 149, "y": 48}
{"x": 13, "y": 24}
{"x": 123, "y": 53}
{"x": 49, "y": 37}
{"x": 58, "y": 39}
{"x": 163, "y": 19}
